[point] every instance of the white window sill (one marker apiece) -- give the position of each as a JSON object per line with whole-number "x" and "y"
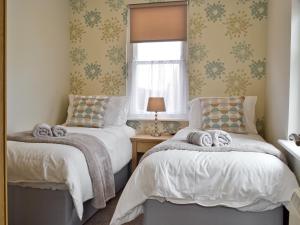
{"x": 291, "y": 147}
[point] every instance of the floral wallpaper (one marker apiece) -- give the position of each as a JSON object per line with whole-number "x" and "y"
{"x": 227, "y": 50}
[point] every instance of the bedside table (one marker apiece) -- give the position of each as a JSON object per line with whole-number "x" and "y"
{"x": 143, "y": 143}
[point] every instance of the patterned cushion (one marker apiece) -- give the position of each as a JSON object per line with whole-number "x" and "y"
{"x": 223, "y": 113}
{"x": 88, "y": 111}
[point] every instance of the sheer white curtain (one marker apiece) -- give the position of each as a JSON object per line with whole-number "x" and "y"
{"x": 158, "y": 69}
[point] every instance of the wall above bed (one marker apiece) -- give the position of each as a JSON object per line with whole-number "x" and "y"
{"x": 227, "y": 50}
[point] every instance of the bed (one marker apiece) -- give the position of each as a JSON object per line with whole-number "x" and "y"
{"x": 51, "y": 184}
{"x": 247, "y": 184}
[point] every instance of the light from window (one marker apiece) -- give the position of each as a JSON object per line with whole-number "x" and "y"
{"x": 157, "y": 69}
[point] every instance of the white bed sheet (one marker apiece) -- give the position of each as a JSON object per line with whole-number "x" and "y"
{"x": 54, "y": 166}
{"x": 248, "y": 181}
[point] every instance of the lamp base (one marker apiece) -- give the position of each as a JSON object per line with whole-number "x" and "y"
{"x": 155, "y": 134}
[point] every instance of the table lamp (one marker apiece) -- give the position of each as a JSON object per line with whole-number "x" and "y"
{"x": 156, "y": 104}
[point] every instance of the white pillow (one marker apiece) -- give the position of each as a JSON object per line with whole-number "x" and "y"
{"x": 115, "y": 113}
{"x": 249, "y": 110}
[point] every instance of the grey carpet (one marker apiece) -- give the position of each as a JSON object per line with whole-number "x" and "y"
{"x": 103, "y": 216}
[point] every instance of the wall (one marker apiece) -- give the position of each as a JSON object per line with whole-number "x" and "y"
{"x": 227, "y": 50}
{"x": 294, "y": 106}
{"x": 37, "y": 62}
{"x": 278, "y": 67}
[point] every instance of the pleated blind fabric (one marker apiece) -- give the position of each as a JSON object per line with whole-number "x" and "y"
{"x": 158, "y": 22}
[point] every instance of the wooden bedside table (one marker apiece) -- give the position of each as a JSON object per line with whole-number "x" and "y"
{"x": 142, "y": 143}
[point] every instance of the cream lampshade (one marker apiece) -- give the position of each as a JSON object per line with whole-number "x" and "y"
{"x": 156, "y": 104}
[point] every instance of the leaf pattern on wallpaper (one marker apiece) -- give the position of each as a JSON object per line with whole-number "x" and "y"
{"x": 197, "y": 53}
{"x": 115, "y": 4}
{"x": 215, "y": 11}
{"x": 78, "y": 56}
{"x": 76, "y": 31}
{"x": 116, "y": 55}
{"x": 113, "y": 84}
{"x": 237, "y": 83}
{"x": 197, "y": 26}
{"x": 111, "y": 30}
{"x": 78, "y": 6}
{"x": 92, "y": 70}
{"x": 214, "y": 69}
{"x": 242, "y": 52}
{"x": 77, "y": 83}
{"x": 92, "y": 18}
{"x": 237, "y": 24}
{"x": 197, "y": 82}
{"x": 259, "y": 9}
{"x": 258, "y": 69}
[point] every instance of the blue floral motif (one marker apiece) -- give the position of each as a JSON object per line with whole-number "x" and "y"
{"x": 171, "y": 127}
{"x": 92, "y": 71}
{"x": 78, "y": 55}
{"x": 259, "y": 10}
{"x": 92, "y": 18}
{"x": 198, "y": 2}
{"x": 214, "y": 69}
{"x": 215, "y": 11}
{"x": 116, "y": 55}
{"x": 78, "y": 5}
{"x": 242, "y": 52}
{"x": 197, "y": 52}
{"x": 258, "y": 69}
{"x": 134, "y": 124}
{"x": 125, "y": 70}
{"x": 115, "y": 4}
{"x": 125, "y": 15}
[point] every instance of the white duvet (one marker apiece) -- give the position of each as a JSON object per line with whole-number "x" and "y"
{"x": 248, "y": 181}
{"x": 64, "y": 167}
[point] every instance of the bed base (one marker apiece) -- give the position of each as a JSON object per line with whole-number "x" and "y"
{"x": 32, "y": 206}
{"x": 157, "y": 213}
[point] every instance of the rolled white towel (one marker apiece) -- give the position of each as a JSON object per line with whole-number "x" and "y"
{"x": 42, "y": 130}
{"x": 200, "y": 138}
{"x": 59, "y": 131}
{"x": 220, "y": 138}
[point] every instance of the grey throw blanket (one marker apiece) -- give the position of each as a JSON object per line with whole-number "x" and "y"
{"x": 238, "y": 145}
{"x": 96, "y": 155}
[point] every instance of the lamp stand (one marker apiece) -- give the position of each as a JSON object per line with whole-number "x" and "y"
{"x": 156, "y": 134}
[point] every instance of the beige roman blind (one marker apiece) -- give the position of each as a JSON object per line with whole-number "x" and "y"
{"x": 158, "y": 22}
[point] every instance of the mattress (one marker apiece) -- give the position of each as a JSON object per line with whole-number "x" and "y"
{"x": 62, "y": 167}
{"x": 247, "y": 181}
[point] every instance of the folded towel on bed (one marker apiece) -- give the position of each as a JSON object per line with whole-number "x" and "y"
{"x": 59, "y": 131}
{"x": 220, "y": 138}
{"x": 200, "y": 138}
{"x": 42, "y": 130}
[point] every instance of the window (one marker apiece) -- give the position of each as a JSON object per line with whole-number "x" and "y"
{"x": 157, "y": 60}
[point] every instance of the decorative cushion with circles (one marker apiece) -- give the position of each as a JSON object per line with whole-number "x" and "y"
{"x": 88, "y": 112}
{"x": 223, "y": 114}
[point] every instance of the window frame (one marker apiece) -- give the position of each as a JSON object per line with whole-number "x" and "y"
{"x": 162, "y": 116}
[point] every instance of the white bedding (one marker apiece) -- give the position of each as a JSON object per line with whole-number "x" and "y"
{"x": 248, "y": 181}
{"x": 64, "y": 167}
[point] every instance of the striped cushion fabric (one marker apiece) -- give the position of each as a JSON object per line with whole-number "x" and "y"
{"x": 223, "y": 114}
{"x": 88, "y": 111}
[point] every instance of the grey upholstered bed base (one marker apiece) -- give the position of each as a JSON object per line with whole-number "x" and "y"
{"x": 157, "y": 213}
{"x": 32, "y": 206}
